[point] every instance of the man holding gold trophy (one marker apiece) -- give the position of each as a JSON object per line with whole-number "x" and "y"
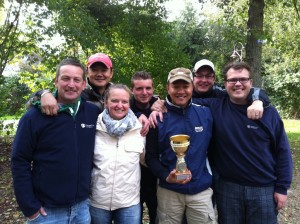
{"x": 176, "y": 152}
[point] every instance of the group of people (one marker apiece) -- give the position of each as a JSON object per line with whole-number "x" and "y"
{"x": 75, "y": 162}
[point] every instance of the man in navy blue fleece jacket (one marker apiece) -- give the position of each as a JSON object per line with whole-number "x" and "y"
{"x": 190, "y": 196}
{"x": 252, "y": 157}
{"x": 52, "y": 156}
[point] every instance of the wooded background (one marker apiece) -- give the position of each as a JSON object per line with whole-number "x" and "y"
{"x": 36, "y": 34}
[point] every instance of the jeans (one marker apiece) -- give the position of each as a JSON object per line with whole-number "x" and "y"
{"x": 77, "y": 214}
{"x": 238, "y": 204}
{"x": 128, "y": 215}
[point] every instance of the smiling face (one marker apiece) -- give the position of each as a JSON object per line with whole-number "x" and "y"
{"x": 204, "y": 79}
{"x": 238, "y": 91}
{"x": 180, "y": 92}
{"x": 69, "y": 83}
{"x": 99, "y": 75}
{"x": 142, "y": 91}
{"x": 117, "y": 103}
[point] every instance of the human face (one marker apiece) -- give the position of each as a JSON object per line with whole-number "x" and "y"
{"x": 204, "y": 79}
{"x": 117, "y": 103}
{"x": 180, "y": 92}
{"x": 69, "y": 84}
{"x": 99, "y": 75}
{"x": 142, "y": 91}
{"x": 238, "y": 92}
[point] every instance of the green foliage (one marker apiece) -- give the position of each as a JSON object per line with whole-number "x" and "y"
{"x": 284, "y": 87}
{"x": 281, "y": 59}
{"x": 11, "y": 96}
{"x": 137, "y": 36}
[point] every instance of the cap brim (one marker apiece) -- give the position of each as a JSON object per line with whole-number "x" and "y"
{"x": 173, "y": 79}
{"x": 93, "y": 62}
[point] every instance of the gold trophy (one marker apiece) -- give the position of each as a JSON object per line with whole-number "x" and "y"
{"x": 180, "y": 144}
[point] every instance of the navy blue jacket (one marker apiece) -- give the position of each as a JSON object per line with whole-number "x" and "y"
{"x": 250, "y": 152}
{"x": 195, "y": 121}
{"x": 52, "y": 158}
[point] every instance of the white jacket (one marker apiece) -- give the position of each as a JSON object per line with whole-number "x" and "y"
{"x": 116, "y": 170}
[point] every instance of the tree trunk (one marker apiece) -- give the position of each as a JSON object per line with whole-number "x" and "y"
{"x": 255, "y": 39}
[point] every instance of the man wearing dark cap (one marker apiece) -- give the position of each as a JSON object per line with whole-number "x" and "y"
{"x": 191, "y": 194}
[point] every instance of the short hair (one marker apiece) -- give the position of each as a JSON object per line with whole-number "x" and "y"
{"x": 116, "y": 86}
{"x": 236, "y": 65}
{"x": 71, "y": 61}
{"x": 141, "y": 75}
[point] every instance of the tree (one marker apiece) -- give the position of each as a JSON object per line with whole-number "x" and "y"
{"x": 255, "y": 38}
{"x": 9, "y": 34}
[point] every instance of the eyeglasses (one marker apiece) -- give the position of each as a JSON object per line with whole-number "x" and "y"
{"x": 235, "y": 80}
{"x": 208, "y": 76}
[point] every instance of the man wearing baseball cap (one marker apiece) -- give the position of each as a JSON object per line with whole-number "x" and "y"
{"x": 99, "y": 75}
{"x": 205, "y": 87}
{"x": 204, "y": 80}
{"x": 190, "y": 195}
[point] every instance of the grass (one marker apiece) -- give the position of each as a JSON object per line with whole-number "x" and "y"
{"x": 292, "y": 128}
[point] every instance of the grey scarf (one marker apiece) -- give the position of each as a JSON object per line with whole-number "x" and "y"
{"x": 117, "y": 128}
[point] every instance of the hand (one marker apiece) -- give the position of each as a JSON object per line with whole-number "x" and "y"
{"x": 280, "y": 200}
{"x": 172, "y": 178}
{"x": 49, "y": 104}
{"x": 145, "y": 123}
{"x": 41, "y": 211}
{"x": 255, "y": 111}
{"x": 153, "y": 118}
{"x": 159, "y": 105}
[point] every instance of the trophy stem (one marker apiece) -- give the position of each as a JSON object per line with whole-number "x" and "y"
{"x": 180, "y": 144}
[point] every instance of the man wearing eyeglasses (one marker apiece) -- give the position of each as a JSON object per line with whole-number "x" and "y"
{"x": 204, "y": 80}
{"x": 252, "y": 157}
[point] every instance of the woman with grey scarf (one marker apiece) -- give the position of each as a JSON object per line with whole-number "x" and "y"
{"x": 115, "y": 185}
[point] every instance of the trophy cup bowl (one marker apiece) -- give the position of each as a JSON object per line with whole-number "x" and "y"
{"x": 180, "y": 144}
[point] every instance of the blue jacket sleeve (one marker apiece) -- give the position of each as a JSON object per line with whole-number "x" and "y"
{"x": 152, "y": 155}
{"x": 259, "y": 94}
{"x": 284, "y": 163}
{"x": 21, "y": 160}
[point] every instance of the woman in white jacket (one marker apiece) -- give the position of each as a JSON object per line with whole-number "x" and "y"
{"x": 115, "y": 190}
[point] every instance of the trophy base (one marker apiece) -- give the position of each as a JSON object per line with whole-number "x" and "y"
{"x": 183, "y": 176}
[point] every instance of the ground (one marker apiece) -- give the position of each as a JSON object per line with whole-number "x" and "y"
{"x": 10, "y": 214}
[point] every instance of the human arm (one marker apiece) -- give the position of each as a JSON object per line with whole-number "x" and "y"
{"x": 280, "y": 200}
{"x": 21, "y": 161}
{"x": 283, "y": 158}
{"x": 152, "y": 155}
{"x": 153, "y": 161}
{"x": 159, "y": 105}
{"x": 145, "y": 124}
{"x": 158, "y": 108}
{"x": 41, "y": 211}
{"x": 172, "y": 179}
{"x": 153, "y": 118}
{"x": 257, "y": 97}
{"x": 259, "y": 100}
{"x": 49, "y": 104}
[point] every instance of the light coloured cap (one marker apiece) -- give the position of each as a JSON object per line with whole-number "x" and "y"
{"x": 180, "y": 74}
{"x": 204, "y": 62}
{"x": 100, "y": 57}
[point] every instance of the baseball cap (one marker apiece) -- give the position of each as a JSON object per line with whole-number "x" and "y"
{"x": 180, "y": 74}
{"x": 204, "y": 62}
{"x": 100, "y": 57}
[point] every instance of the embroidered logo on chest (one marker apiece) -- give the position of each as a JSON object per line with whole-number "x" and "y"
{"x": 199, "y": 129}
